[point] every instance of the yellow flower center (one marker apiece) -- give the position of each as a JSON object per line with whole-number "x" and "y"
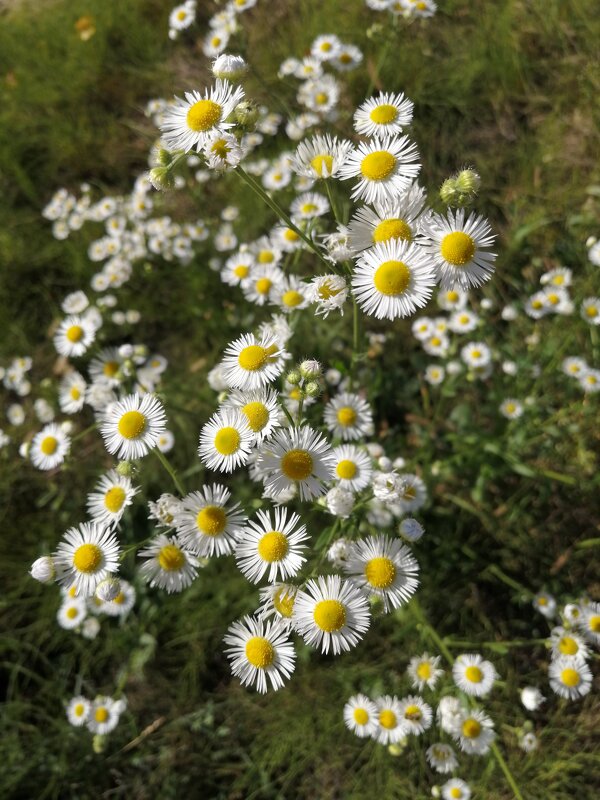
{"x": 326, "y": 290}
{"x": 380, "y": 572}
{"x": 49, "y": 445}
{"x": 542, "y": 601}
{"x": 330, "y": 615}
{"x": 308, "y": 208}
{"x": 252, "y": 357}
{"x": 72, "y": 612}
{"x": 260, "y": 652}
{"x": 75, "y": 393}
{"x": 284, "y": 602}
{"x": 392, "y": 229}
{"x": 297, "y": 465}
{"x": 290, "y": 235}
{"x": 377, "y": 166}
{"x": 114, "y": 499}
{"x": 471, "y": 728}
{"x": 132, "y": 424}
{"x": 510, "y": 408}
{"x": 392, "y": 278}
{"x": 257, "y": 415}
{"x": 413, "y": 713}
{"x": 204, "y": 115}
{"x": 211, "y": 520}
{"x": 384, "y": 114}
{"x": 476, "y": 353}
{"x": 536, "y": 304}
{"x": 457, "y": 248}
{"x": 594, "y": 624}
{"x": 241, "y": 271}
{"x": 570, "y": 677}
{"x": 119, "y": 599}
{"x": 263, "y": 285}
{"x": 456, "y": 792}
{"x": 74, "y": 333}
{"x": 322, "y": 165}
{"x": 110, "y": 368}
{"x": 346, "y": 416}
{"x": 387, "y": 719}
{"x": 87, "y": 558}
{"x": 101, "y": 714}
{"x": 361, "y": 717}
{"x": 181, "y": 15}
{"x": 227, "y": 441}
{"x": 221, "y": 148}
{"x": 474, "y": 674}
{"x": 568, "y": 646}
{"x": 273, "y": 546}
{"x": 424, "y": 671}
{"x": 292, "y": 298}
{"x": 265, "y": 257}
{"x": 346, "y": 469}
{"x": 326, "y": 47}
{"x": 79, "y": 709}
{"x": 591, "y": 311}
{"x": 170, "y": 559}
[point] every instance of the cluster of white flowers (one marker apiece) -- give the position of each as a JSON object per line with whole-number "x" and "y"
{"x": 100, "y": 716}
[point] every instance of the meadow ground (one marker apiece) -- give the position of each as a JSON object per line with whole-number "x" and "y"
{"x": 511, "y": 88}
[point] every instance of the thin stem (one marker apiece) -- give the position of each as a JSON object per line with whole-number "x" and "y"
{"x": 512, "y": 643}
{"x": 84, "y": 432}
{"x": 288, "y": 415}
{"x": 508, "y": 580}
{"x": 165, "y": 462}
{"x": 507, "y": 773}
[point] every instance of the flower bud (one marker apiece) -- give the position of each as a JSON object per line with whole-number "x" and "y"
{"x": 126, "y": 469}
{"x": 161, "y": 178}
{"x": 449, "y": 192}
{"x": 312, "y": 389}
{"x": 108, "y": 589}
{"x": 293, "y": 378}
{"x": 310, "y": 369}
{"x": 468, "y": 182}
{"x": 43, "y": 570}
{"x": 246, "y": 114}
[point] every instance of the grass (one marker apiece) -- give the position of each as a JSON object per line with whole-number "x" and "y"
{"x": 510, "y": 87}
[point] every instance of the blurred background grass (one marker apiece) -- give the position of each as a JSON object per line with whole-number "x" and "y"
{"x": 509, "y": 87}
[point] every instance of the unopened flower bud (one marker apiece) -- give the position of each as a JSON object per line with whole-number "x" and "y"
{"x": 293, "y": 378}
{"x": 246, "y": 114}
{"x": 161, "y": 178}
{"x": 468, "y": 181}
{"x": 108, "y": 589}
{"x": 312, "y": 389}
{"x": 449, "y": 192}
{"x": 126, "y": 469}
{"x": 310, "y": 369}
{"x": 43, "y": 570}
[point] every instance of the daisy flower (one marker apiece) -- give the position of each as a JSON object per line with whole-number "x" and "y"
{"x": 434, "y": 375}
{"x": 131, "y": 427}
{"x": 570, "y": 677}
{"x": 78, "y": 710}
{"x": 385, "y": 568}
{"x": 331, "y": 614}
{"x": 326, "y": 47}
{"x": 389, "y": 720}
{"x": 319, "y": 94}
{"x": 299, "y": 457}
{"x": 72, "y": 613}
{"x": 463, "y": 321}
{"x": 348, "y": 416}
{"x": 459, "y": 249}
{"x": 106, "y": 366}
{"x": 237, "y": 268}
{"x": 309, "y": 205}
{"x": 511, "y": 408}
{"x": 590, "y": 380}
{"x": 383, "y": 115}
{"x": 259, "y": 651}
{"x": 250, "y": 362}
{"x": 74, "y": 335}
{"x": 474, "y": 732}
{"x": 590, "y": 310}
{"x": 222, "y": 151}
{"x": 87, "y": 555}
{"x": 353, "y": 467}
{"x": 71, "y": 394}
{"x": 396, "y": 220}
{"x": 320, "y": 157}
{"x": 476, "y": 354}
{"x": 291, "y": 294}
{"x": 329, "y": 292}
{"x": 393, "y": 279}
{"x": 528, "y": 742}
{"x": 384, "y": 167}
{"x": 567, "y": 643}
{"x": 103, "y": 716}
{"x": 456, "y": 789}
{"x": 122, "y": 604}
{"x": 349, "y": 58}
{"x": 278, "y": 600}
{"x": 360, "y": 715}
{"x": 590, "y": 622}
{"x": 574, "y": 366}
{"x": 424, "y": 671}
{"x": 107, "y": 503}
{"x": 259, "y": 407}
{"x": 441, "y": 757}
{"x": 473, "y": 675}
{"x": 271, "y": 545}
{"x": 545, "y": 604}
{"x": 416, "y": 715}
{"x": 413, "y": 493}
{"x": 225, "y": 441}
{"x": 49, "y": 447}
{"x": 207, "y": 524}
{"x": 260, "y": 285}
{"x": 168, "y": 564}
{"x": 189, "y": 122}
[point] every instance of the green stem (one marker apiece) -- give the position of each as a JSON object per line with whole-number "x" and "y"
{"x": 512, "y": 643}
{"x": 165, "y": 462}
{"x": 288, "y": 415}
{"x": 85, "y": 432}
{"x": 508, "y": 580}
{"x": 507, "y": 773}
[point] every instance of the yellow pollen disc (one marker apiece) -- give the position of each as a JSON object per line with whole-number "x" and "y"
{"x": 326, "y": 291}
{"x": 87, "y": 558}
{"x": 49, "y": 445}
{"x": 215, "y": 41}
{"x": 361, "y": 717}
{"x": 409, "y": 493}
{"x": 101, "y": 714}
{"x": 326, "y": 47}
{"x": 455, "y": 792}
{"x": 435, "y": 341}
{"x": 211, "y": 520}
{"x": 568, "y": 646}
{"x": 257, "y": 415}
{"x": 308, "y": 208}
{"x": 292, "y": 298}
{"x": 383, "y": 115}
{"x": 553, "y": 299}
{"x": 271, "y": 350}
{"x": 414, "y": 713}
{"x": 457, "y": 248}
{"x": 290, "y": 235}
{"x": 260, "y": 652}
{"x": 221, "y": 148}
{"x": 471, "y": 728}
{"x": 542, "y": 601}
{"x": 295, "y": 393}
{"x": 72, "y": 612}
{"x": 392, "y": 278}
{"x": 322, "y": 165}
{"x": 536, "y": 304}
{"x": 594, "y": 624}
{"x": 452, "y": 296}
{"x": 263, "y": 285}
{"x": 424, "y": 671}
{"x": 463, "y": 319}
{"x": 227, "y": 441}
{"x": 570, "y": 677}
{"x": 474, "y": 674}
{"x": 346, "y": 416}
{"x": 476, "y": 353}
{"x": 181, "y": 15}
{"x": 283, "y": 602}
{"x": 322, "y": 98}
{"x": 241, "y": 271}
{"x": 273, "y": 546}
{"x": 204, "y": 115}
{"x": 345, "y": 58}
{"x": 380, "y": 572}
{"x": 297, "y": 465}
{"x": 511, "y": 408}
{"x": 132, "y": 424}
{"x": 75, "y": 393}
{"x": 74, "y": 333}
{"x": 252, "y": 357}
{"x": 72, "y": 591}
{"x": 110, "y": 368}
{"x": 377, "y": 166}
{"x": 387, "y": 719}
{"x": 330, "y": 615}
{"x": 170, "y": 558}
{"x": 265, "y": 257}
{"x": 346, "y": 469}
{"x": 392, "y": 229}
{"x": 114, "y": 499}
{"x": 119, "y": 599}
{"x": 79, "y": 709}
{"x": 591, "y": 311}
